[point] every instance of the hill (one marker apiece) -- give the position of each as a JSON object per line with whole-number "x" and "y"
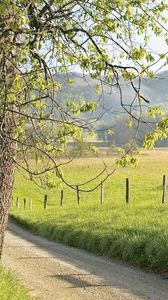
{"x": 110, "y": 112}
{"x": 83, "y": 87}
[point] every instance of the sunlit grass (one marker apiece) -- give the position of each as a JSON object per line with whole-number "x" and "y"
{"x": 135, "y": 232}
{"x": 10, "y": 287}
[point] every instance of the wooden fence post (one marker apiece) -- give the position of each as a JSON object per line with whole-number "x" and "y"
{"x": 78, "y": 195}
{"x": 101, "y": 193}
{"x": 164, "y": 189}
{"x": 45, "y": 201}
{"x": 31, "y": 203}
{"x": 17, "y": 202}
{"x": 127, "y": 190}
{"x": 62, "y": 197}
{"x": 24, "y": 203}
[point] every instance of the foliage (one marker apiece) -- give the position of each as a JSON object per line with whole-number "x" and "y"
{"x": 130, "y": 155}
{"x": 134, "y": 232}
{"x": 44, "y": 38}
{"x": 81, "y": 107}
{"x": 159, "y": 133}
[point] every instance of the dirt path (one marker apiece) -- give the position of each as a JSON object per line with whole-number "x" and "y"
{"x": 56, "y": 272}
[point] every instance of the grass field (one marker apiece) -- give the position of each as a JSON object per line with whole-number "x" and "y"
{"x": 10, "y": 287}
{"x": 136, "y": 233}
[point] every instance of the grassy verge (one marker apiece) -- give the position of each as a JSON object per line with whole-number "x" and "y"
{"x": 135, "y": 233}
{"x": 10, "y": 287}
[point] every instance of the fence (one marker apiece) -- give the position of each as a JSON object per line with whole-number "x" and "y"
{"x": 127, "y": 188}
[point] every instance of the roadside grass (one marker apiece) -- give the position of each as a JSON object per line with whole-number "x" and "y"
{"x": 10, "y": 287}
{"x": 136, "y": 233}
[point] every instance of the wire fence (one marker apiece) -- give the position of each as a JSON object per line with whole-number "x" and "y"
{"x": 127, "y": 191}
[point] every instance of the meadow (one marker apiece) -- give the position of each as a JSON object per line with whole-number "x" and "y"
{"x": 135, "y": 233}
{"x": 10, "y": 287}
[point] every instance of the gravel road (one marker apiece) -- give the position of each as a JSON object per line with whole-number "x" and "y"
{"x": 57, "y": 272}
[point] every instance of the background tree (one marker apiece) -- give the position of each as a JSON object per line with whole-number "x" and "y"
{"x": 109, "y": 40}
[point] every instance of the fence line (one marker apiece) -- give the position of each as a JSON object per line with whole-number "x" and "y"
{"x": 164, "y": 189}
{"x": 102, "y": 193}
{"x": 45, "y": 201}
{"x": 62, "y": 197}
{"x": 127, "y": 190}
{"x": 102, "y": 197}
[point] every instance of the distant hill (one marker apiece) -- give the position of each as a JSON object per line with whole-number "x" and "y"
{"x": 156, "y": 90}
{"x": 83, "y": 87}
{"x": 110, "y": 110}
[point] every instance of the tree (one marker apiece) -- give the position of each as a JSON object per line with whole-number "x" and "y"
{"x": 39, "y": 39}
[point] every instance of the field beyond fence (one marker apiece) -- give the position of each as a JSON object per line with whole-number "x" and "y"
{"x": 129, "y": 191}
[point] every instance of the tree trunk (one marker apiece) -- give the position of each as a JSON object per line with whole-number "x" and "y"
{"x": 6, "y": 171}
{"x": 9, "y": 52}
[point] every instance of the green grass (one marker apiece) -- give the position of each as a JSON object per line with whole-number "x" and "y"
{"x": 10, "y": 287}
{"x": 136, "y": 233}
